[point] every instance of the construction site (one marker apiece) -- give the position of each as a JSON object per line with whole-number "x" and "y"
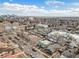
{"x": 39, "y": 37}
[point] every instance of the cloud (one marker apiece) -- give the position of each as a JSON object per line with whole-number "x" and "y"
{"x": 24, "y": 9}
{"x": 66, "y": 12}
{"x": 33, "y": 10}
{"x": 74, "y": 5}
{"x": 66, "y": 9}
{"x": 54, "y": 3}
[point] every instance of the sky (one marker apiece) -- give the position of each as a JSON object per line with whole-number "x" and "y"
{"x": 40, "y": 7}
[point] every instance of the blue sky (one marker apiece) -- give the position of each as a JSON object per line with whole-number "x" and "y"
{"x": 40, "y": 7}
